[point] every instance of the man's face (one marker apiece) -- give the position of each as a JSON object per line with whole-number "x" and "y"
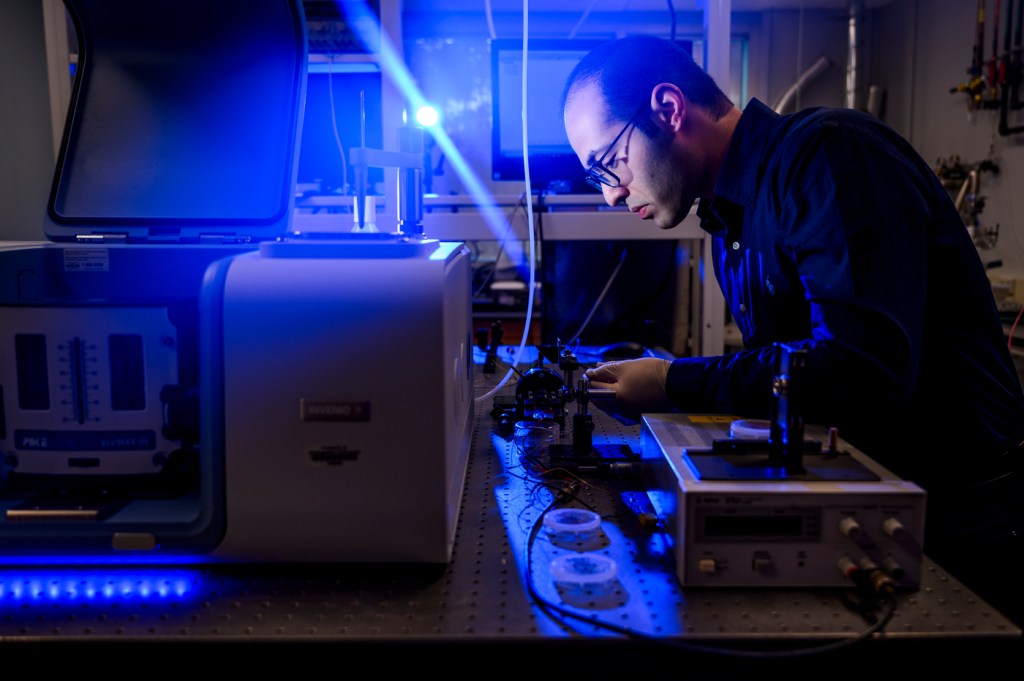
{"x": 656, "y": 175}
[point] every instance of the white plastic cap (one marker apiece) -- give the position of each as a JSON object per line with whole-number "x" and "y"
{"x": 750, "y": 430}
{"x": 571, "y": 520}
{"x": 583, "y": 569}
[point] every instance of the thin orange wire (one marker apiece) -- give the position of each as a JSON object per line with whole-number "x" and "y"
{"x": 1009, "y": 341}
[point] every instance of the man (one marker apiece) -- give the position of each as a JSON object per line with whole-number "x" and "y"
{"x": 830, "y": 234}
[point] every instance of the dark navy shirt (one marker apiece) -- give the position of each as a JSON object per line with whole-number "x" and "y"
{"x": 832, "y": 234}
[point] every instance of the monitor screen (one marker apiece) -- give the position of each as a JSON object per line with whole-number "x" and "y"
{"x": 553, "y": 165}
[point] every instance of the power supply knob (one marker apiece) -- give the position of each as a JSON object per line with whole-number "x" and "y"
{"x": 847, "y": 567}
{"x": 849, "y": 527}
{"x": 894, "y": 528}
{"x": 894, "y": 569}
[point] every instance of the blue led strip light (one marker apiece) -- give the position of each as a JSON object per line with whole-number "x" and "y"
{"x": 77, "y": 586}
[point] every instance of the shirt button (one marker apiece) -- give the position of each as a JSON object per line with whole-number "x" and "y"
{"x": 743, "y": 308}
{"x": 735, "y": 245}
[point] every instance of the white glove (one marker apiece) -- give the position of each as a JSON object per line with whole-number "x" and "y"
{"x": 639, "y": 384}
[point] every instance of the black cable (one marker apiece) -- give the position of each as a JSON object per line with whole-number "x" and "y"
{"x": 639, "y": 310}
{"x": 660, "y": 289}
{"x": 540, "y": 279}
{"x": 546, "y": 606}
{"x": 565, "y": 490}
{"x": 600, "y": 299}
{"x": 501, "y": 246}
{"x": 672, "y": 16}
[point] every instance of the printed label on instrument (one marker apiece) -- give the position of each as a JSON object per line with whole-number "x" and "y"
{"x": 710, "y": 418}
{"x": 85, "y": 441}
{"x": 320, "y": 410}
{"x": 86, "y": 259}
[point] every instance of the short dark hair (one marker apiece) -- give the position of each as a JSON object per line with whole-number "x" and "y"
{"x": 627, "y": 69}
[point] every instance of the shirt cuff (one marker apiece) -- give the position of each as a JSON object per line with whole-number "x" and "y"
{"x": 684, "y": 383}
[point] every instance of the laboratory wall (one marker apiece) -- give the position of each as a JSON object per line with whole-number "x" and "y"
{"x": 26, "y": 142}
{"x": 924, "y": 49}
{"x": 910, "y": 53}
{"x": 900, "y": 61}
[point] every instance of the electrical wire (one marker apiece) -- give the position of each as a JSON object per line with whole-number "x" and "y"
{"x": 529, "y": 211}
{"x": 1013, "y": 328}
{"x": 600, "y": 298}
{"x": 875, "y": 605}
{"x": 557, "y": 480}
{"x": 501, "y": 245}
{"x": 334, "y": 126}
{"x": 529, "y": 187}
{"x": 799, "y": 54}
{"x": 556, "y": 612}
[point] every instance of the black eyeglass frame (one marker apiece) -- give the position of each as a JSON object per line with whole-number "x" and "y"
{"x": 597, "y": 175}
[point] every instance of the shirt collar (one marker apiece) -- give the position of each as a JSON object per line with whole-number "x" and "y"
{"x": 736, "y": 186}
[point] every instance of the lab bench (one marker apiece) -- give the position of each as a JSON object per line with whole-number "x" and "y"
{"x": 495, "y": 606}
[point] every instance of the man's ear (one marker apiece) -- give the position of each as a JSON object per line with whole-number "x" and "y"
{"x": 669, "y": 106}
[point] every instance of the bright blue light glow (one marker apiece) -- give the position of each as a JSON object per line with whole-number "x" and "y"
{"x": 98, "y": 586}
{"x": 427, "y": 116}
{"x": 370, "y": 33}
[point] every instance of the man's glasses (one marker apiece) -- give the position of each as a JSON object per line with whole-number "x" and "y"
{"x": 598, "y": 175}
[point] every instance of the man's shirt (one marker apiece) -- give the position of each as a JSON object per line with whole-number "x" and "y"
{"x": 832, "y": 234}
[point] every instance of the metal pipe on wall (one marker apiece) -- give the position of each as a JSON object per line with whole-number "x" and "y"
{"x": 853, "y": 66}
{"x": 806, "y": 77}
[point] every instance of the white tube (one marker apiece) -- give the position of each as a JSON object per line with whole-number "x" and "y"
{"x": 806, "y": 77}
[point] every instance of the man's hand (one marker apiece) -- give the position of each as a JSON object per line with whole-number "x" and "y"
{"x": 639, "y": 384}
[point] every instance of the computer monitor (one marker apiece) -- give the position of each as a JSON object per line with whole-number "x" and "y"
{"x": 553, "y": 164}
